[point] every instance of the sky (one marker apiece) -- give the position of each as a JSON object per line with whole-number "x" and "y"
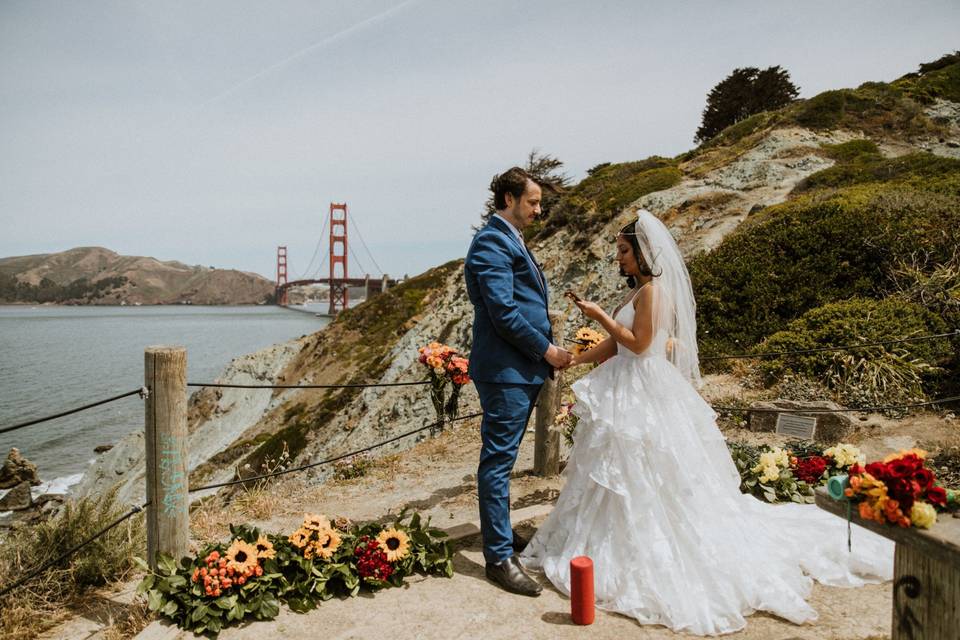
{"x": 212, "y": 132}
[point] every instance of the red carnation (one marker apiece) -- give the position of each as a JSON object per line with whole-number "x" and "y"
{"x": 811, "y": 469}
{"x": 901, "y": 468}
{"x": 878, "y": 470}
{"x": 937, "y": 496}
{"x": 924, "y": 477}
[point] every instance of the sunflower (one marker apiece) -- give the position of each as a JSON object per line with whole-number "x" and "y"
{"x": 242, "y": 556}
{"x": 327, "y": 542}
{"x": 315, "y": 522}
{"x": 395, "y": 543}
{"x": 264, "y": 548}
{"x": 299, "y": 538}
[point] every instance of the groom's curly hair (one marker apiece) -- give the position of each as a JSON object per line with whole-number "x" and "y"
{"x": 630, "y": 235}
{"x": 512, "y": 181}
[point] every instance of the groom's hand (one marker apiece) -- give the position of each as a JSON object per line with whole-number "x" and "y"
{"x": 557, "y": 357}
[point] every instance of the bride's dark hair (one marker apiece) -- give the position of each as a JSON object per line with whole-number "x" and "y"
{"x": 629, "y": 233}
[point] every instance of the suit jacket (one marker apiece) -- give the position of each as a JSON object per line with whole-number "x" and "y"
{"x": 511, "y": 327}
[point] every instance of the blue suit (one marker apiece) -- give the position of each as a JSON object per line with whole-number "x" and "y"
{"x": 511, "y": 333}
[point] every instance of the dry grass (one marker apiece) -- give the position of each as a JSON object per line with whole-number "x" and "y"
{"x": 41, "y": 603}
{"x": 130, "y": 622}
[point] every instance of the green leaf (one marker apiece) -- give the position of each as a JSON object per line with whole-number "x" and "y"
{"x": 154, "y": 600}
{"x": 176, "y": 581}
{"x": 141, "y": 564}
{"x": 146, "y": 584}
{"x": 269, "y": 607}
{"x": 170, "y": 608}
{"x": 199, "y": 612}
{"x": 166, "y": 564}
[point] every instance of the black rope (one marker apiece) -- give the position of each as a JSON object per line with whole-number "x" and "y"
{"x": 306, "y": 386}
{"x": 334, "y": 459}
{"x": 849, "y": 347}
{"x": 133, "y": 511}
{"x": 67, "y": 413}
{"x": 844, "y": 410}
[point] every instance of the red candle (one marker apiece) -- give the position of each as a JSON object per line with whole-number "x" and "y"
{"x": 581, "y": 590}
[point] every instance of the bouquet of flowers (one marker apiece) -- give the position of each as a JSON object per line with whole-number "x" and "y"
{"x": 584, "y": 340}
{"x": 899, "y": 490}
{"x": 444, "y": 366}
{"x": 253, "y": 573}
{"x": 224, "y": 583}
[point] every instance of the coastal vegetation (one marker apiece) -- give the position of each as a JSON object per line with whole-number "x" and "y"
{"x": 39, "y": 604}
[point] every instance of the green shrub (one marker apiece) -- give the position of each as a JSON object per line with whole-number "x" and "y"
{"x": 940, "y": 79}
{"x": 876, "y": 375}
{"x": 915, "y": 169}
{"x": 873, "y": 107}
{"x": 852, "y": 150}
{"x": 607, "y": 190}
{"x": 737, "y": 132}
{"x": 812, "y": 251}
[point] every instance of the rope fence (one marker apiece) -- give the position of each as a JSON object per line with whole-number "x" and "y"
{"x": 361, "y": 385}
{"x": 891, "y": 407}
{"x": 850, "y": 347}
{"x": 144, "y": 393}
{"x": 334, "y": 459}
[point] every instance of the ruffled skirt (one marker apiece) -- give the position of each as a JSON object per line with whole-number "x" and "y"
{"x": 652, "y": 497}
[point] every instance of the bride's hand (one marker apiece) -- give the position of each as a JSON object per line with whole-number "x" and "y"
{"x": 590, "y": 309}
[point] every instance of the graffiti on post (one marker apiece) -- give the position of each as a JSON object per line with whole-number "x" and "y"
{"x": 173, "y": 481}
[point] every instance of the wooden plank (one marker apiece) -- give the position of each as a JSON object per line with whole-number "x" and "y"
{"x": 941, "y": 542}
{"x": 926, "y": 597}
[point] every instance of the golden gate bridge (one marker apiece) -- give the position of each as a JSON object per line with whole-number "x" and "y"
{"x": 337, "y": 277}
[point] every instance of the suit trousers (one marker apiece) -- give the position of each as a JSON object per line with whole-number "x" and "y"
{"x": 506, "y": 411}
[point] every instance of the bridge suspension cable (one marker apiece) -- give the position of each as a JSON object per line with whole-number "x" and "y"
{"x": 369, "y": 253}
{"x": 308, "y": 273}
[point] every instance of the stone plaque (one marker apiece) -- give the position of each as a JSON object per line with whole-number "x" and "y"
{"x": 790, "y": 424}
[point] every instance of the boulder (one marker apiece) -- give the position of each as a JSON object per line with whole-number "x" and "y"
{"x": 17, "y": 469}
{"x": 831, "y": 427}
{"x": 18, "y": 498}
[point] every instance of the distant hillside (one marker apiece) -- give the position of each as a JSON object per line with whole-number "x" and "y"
{"x": 94, "y": 275}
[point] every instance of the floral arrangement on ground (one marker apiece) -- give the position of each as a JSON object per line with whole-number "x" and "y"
{"x": 778, "y": 474}
{"x": 252, "y": 574}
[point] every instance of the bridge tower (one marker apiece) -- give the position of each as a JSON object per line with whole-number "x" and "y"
{"x": 338, "y": 256}
{"x": 281, "y": 291}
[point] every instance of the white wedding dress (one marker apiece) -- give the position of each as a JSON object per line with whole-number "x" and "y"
{"x": 652, "y": 497}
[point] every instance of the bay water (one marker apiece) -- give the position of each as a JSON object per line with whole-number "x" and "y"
{"x": 54, "y": 358}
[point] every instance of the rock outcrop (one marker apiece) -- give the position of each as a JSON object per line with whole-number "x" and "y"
{"x": 16, "y": 470}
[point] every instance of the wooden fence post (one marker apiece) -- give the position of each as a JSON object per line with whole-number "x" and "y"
{"x": 168, "y": 515}
{"x": 546, "y": 452}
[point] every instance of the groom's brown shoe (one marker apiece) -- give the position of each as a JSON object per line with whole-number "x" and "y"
{"x": 511, "y": 576}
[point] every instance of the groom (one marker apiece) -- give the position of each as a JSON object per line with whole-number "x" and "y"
{"x": 512, "y": 354}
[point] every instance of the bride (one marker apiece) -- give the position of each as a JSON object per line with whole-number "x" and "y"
{"x": 652, "y": 495}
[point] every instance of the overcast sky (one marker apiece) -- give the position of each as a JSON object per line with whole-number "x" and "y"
{"x": 211, "y": 132}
